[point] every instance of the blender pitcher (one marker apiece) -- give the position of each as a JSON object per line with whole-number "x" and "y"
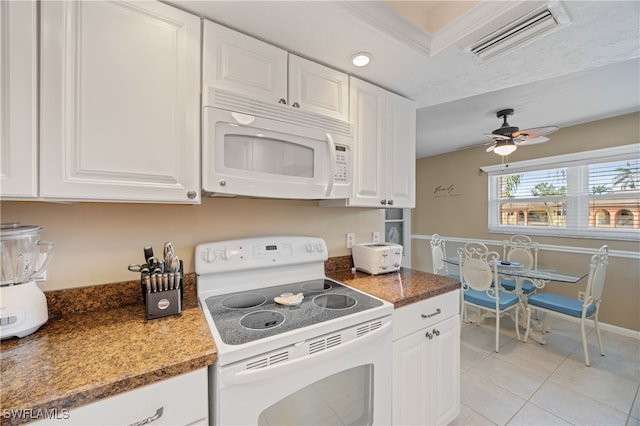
{"x": 23, "y": 257}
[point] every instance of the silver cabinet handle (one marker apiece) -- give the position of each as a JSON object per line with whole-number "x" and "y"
{"x": 390, "y": 202}
{"x": 383, "y": 202}
{"x": 436, "y": 332}
{"x": 296, "y": 105}
{"x": 148, "y": 420}
{"x": 437, "y": 312}
{"x": 282, "y": 101}
{"x": 191, "y": 195}
{"x": 428, "y": 335}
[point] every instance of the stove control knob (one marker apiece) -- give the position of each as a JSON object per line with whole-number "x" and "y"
{"x": 227, "y": 254}
{"x": 209, "y": 256}
{"x": 319, "y": 247}
{"x": 309, "y": 247}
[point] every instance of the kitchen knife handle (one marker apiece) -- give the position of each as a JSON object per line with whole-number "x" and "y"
{"x": 148, "y": 253}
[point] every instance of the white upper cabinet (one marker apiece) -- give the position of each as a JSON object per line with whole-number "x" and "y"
{"x": 385, "y": 146}
{"x": 400, "y": 157}
{"x": 18, "y": 100}
{"x": 243, "y": 65}
{"x": 238, "y": 69}
{"x": 120, "y": 102}
{"x": 317, "y": 88}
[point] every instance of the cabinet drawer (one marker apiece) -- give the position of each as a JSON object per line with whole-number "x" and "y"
{"x": 425, "y": 313}
{"x": 183, "y": 400}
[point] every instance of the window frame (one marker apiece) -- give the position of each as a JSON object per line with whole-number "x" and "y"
{"x": 577, "y": 164}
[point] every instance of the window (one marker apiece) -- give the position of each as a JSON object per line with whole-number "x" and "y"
{"x": 591, "y": 194}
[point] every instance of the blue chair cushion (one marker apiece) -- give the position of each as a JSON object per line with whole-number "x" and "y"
{"x": 481, "y": 298}
{"x": 510, "y": 285}
{"x": 562, "y": 304}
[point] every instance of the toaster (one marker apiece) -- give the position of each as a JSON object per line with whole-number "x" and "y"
{"x": 377, "y": 258}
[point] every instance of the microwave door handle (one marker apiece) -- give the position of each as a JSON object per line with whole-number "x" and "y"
{"x": 332, "y": 165}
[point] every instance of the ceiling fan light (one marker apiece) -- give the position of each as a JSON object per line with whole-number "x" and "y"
{"x": 504, "y": 147}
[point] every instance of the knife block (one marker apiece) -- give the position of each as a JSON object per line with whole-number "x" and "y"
{"x": 162, "y": 303}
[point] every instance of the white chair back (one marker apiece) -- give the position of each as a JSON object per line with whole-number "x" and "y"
{"x": 438, "y": 255}
{"x": 520, "y": 248}
{"x": 597, "y": 271}
{"x": 477, "y": 273}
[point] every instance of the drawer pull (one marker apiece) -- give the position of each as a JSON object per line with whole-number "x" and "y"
{"x": 148, "y": 420}
{"x": 437, "y": 312}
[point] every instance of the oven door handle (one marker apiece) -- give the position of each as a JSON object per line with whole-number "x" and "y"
{"x": 253, "y": 375}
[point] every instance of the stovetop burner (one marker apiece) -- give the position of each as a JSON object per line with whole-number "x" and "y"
{"x": 262, "y": 320}
{"x": 243, "y": 301}
{"x": 248, "y": 316}
{"x": 334, "y": 301}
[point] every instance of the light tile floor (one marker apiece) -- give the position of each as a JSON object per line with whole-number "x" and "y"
{"x": 533, "y": 384}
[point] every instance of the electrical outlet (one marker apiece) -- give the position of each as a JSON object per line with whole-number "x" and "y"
{"x": 351, "y": 239}
{"x": 375, "y": 236}
{"x": 581, "y": 296}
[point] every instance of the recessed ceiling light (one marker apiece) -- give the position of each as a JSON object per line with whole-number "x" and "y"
{"x": 361, "y": 59}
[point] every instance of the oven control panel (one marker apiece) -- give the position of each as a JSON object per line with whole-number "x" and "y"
{"x": 251, "y": 253}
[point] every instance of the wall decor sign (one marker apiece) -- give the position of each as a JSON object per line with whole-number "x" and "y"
{"x": 445, "y": 191}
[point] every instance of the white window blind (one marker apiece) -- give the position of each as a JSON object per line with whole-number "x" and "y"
{"x": 590, "y": 194}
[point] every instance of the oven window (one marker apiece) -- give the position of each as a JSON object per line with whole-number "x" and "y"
{"x": 346, "y": 398}
{"x": 268, "y": 155}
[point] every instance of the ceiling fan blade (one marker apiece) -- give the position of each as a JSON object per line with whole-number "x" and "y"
{"x": 496, "y": 137}
{"x": 490, "y": 148}
{"x": 533, "y": 141}
{"x": 535, "y": 132}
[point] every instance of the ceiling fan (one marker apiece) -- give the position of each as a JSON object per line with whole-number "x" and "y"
{"x": 508, "y": 138}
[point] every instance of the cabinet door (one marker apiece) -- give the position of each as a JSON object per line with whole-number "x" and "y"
{"x": 18, "y": 99}
{"x": 400, "y": 152}
{"x": 179, "y": 400}
{"x": 368, "y": 114}
{"x": 316, "y": 88}
{"x": 120, "y": 102}
{"x": 243, "y": 65}
{"x": 426, "y": 375}
{"x": 444, "y": 372}
{"x": 411, "y": 369}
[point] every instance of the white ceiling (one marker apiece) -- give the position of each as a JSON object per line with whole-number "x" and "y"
{"x": 584, "y": 71}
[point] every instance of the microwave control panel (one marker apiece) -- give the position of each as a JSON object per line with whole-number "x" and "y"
{"x": 341, "y": 169}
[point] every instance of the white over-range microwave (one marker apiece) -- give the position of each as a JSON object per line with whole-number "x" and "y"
{"x": 259, "y": 155}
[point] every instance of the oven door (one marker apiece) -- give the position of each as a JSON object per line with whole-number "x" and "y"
{"x": 253, "y": 156}
{"x": 329, "y": 383}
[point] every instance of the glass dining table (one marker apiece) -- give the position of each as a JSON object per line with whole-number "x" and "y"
{"x": 539, "y": 277}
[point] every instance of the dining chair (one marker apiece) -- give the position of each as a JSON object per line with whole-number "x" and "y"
{"x": 520, "y": 249}
{"x": 438, "y": 256}
{"x": 575, "y": 309}
{"x": 479, "y": 272}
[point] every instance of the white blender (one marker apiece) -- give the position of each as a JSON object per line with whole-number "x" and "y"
{"x": 23, "y": 305}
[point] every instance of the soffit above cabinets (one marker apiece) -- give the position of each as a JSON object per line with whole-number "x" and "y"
{"x": 428, "y": 58}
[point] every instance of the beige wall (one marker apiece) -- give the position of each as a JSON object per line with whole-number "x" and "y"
{"x": 96, "y": 241}
{"x": 463, "y": 212}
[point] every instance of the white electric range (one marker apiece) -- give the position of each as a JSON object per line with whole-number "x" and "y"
{"x": 324, "y": 359}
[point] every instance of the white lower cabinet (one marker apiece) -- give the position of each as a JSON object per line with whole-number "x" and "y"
{"x": 180, "y": 400}
{"x": 426, "y": 361}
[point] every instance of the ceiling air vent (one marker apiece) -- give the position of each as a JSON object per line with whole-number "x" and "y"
{"x": 516, "y": 33}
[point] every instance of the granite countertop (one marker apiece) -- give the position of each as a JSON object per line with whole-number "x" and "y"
{"x": 82, "y": 357}
{"x": 97, "y": 342}
{"x": 400, "y": 288}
